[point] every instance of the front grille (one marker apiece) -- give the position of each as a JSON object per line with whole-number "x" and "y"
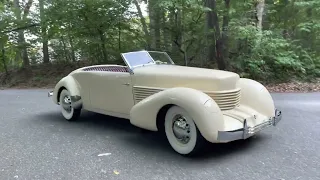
{"x": 225, "y": 100}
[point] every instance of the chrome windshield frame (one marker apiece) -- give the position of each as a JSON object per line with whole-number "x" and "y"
{"x": 165, "y": 54}
{"x": 142, "y": 65}
{"x": 132, "y": 67}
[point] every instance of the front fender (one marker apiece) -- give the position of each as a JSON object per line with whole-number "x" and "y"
{"x": 256, "y": 96}
{"x": 70, "y": 84}
{"x": 204, "y": 111}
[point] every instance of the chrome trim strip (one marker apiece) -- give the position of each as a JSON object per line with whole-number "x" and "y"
{"x": 128, "y": 65}
{"x": 246, "y": 132}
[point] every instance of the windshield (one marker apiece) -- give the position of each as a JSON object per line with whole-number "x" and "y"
{"x": 139, "y": 58}
{"x": 142, "y": 58}
{"x": 160, "y": 57}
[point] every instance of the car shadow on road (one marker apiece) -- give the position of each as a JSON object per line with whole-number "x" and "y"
{"x": 146, "y": 142}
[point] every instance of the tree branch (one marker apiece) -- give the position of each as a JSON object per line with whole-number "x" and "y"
{"x": 179, "y": 45}
{"x": 198, "y": 17}
{"x": 21, "y": 28}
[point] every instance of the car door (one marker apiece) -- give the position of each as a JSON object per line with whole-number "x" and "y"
{"x": 112, "y": 92}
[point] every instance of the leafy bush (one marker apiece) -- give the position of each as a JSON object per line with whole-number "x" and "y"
{"x": 268, "y": 56}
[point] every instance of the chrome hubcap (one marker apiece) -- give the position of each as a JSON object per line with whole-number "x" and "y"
{"x": 181, "y": 129}
{"x": 66, "y": 103}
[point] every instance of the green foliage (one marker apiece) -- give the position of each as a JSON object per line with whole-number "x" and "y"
{"x": 273, "y": 57}
{"x": 288, "y": 47}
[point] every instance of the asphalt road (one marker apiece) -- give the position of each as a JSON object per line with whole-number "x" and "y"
{"x": 37, "y": 143}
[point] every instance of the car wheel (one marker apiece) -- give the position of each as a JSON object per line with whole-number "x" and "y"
{"x": 68, "y": 112}
{"x": 182, "y": 133}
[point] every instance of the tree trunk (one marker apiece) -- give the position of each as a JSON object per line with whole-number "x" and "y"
{"x": 144, "y": 24}
{"x": 259, "y": 9}
{"x": 259, "y": 16}
{"x": 210, "y": 27}
{"x": 103, "y": 46}
{"x": 225, "y": 26}
{"x": 45, "y": 50}
{"x": 26, "y": 9}
{"x": 24, "y": 51}
{"x": 119, "y": 36}
{"x": 64, "y": 49}
{"x": 151, "y": 24}
{"x": 44, "y": 34}
{"x": 157, "y": 30}
{"x": 171, "y": 22}
{"x": 21, "y": 39}
{"x": 165, "y": 32}
{"x": 219, "y": 54}
{"x": 176, "y": 35}
{"x": 183, "y": 46}
{"x": 73, "y": 56}
{"x": 154, "y": 16}
{"x": 4, "y": 60}
{"x": 216, "y": 48}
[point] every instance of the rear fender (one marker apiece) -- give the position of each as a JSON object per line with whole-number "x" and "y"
{"x": 204, "y": 111}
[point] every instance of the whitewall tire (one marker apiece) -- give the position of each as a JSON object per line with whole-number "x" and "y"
{"x": 181, "y": 131}
{"x": 68, "y": 112}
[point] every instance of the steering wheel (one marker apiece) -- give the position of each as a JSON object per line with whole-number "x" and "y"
{"x": 160, "y": 62}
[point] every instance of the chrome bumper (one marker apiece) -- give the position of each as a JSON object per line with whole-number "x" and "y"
{"x": 246, "y": 132}
{"x": 50, "y": 93}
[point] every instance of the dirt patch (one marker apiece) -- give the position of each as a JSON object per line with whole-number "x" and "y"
{"x": 46, "y": 76}
{"x": 295, "y": 87}
{"x": 37, "y": 76}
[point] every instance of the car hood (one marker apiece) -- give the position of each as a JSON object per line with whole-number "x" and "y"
{"x": 168, "y": 76}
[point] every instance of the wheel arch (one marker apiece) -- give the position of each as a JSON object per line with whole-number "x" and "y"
{"x": 68, "y": 83}
{"x": 161, "y": 115}
{"x": 150, "y": 112}
{"x": 59, "y": 92}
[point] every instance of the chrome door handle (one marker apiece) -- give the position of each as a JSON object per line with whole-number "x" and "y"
{"x": 126, "y": 84}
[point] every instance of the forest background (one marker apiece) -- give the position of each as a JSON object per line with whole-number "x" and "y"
{"x": 275, "y": 42}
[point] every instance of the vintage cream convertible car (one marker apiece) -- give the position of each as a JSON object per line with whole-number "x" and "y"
{"x": 190, "y": 105}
